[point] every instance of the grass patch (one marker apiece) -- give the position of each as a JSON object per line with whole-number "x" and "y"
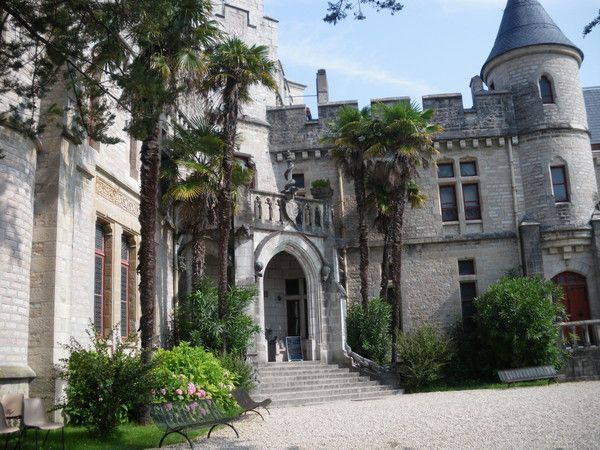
{"x": 128, "y": 437}
{"x": 472, "y": 385}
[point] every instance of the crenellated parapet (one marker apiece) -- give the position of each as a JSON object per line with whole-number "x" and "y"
{"x": 252, "y": 9}
{"x": 492, "y": 115}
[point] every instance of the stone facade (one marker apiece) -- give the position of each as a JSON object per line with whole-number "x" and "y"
{"x": 70, "y": 232}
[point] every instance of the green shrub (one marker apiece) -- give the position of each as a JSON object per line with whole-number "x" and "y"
{"x": 517, "y": 319}
{"x": 470, "y": 360}
{"x": 104, "y": 384}
{"x": 196, "y": 319}
{"x": 423, "y": 354}
{"x": 320, "y": 183}
{"x": 186, "y": 373}
{"x": 243, "y": 370}
{"x": 369, "y": 331}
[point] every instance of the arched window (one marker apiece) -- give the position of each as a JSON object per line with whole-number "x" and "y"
{"x": 546, "y": 90}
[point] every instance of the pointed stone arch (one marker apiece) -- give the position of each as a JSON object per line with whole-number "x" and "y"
{"x": 310, "y": 259}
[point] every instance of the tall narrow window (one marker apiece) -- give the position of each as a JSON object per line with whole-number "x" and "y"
{"x": 448, "y": 201}
{"x": 559, "y": 184}
{"x": 471, "y": 200}
{"x": 99, "y": 278}
{"x": 546, "y": 90}
{"x": 124, "y": 286}
{"x": 468, "y": 293}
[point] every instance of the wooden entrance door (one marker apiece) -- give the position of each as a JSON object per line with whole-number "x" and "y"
{"x": 576, "y": 297}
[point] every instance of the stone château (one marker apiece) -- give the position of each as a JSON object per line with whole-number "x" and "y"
{"x": 515, "y": 189}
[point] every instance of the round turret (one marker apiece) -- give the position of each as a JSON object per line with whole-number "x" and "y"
{"x": 535, "y": 61}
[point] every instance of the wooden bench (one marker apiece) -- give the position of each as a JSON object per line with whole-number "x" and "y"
{"x": 528, "y": 374}
{"x": 180, "y": 418}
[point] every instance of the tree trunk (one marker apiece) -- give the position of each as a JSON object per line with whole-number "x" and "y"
{"x": 397, "y": 224}
{"x": 198, "y": 257}
{"x": 231, "y": 108}
{"x": 385, "y": 262}
{"x": 363, "y": 243}
{"x": 150, "y": 156}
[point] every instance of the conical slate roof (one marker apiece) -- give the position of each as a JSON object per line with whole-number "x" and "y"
{"x": 526, "y": 23}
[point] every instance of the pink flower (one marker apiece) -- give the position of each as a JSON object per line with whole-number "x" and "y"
{"x": 191, "y": 388}
{"x": 163, "y": 392}
{"x": 168, "y": 406}
{"x": 201, "y": 393}
{"x": 178, "y": 391}
{"x": 202, "y": 412}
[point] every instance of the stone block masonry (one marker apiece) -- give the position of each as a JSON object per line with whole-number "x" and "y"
{"x": 17, "y": 179}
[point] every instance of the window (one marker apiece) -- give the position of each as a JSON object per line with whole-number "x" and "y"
{"x": 99, "y": 269}
{"x": 124, "y": 286}
{"x": 492, "y": 86}
{"x": 546, "y": 90}
{"x": 299, "y": 179}
{"x": 446, "y": 170}
{"x": 468, "y": 169}
{"x": 468, "y": 293}
{"x": 448, "y": 201}
{"x": 292, "y": 287}
{"x": 466, "y": 267}
{"x": 471, "y": 201}
{"x": 559, "y": 184}
{"x": 467, "y": 184}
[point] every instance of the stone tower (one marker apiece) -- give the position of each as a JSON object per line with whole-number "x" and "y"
{"x": 539, "y": 65}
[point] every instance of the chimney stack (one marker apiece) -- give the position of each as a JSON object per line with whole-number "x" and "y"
{"x": 322, "y": 88}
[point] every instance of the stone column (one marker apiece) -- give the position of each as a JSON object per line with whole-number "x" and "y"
{"x": 595, "y": 222}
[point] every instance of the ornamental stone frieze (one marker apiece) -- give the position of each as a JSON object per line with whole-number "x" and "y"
{"x": 114, "y": 195}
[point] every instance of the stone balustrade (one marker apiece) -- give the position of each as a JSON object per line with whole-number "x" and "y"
{"x": 583, "y": 334}
{"x": 269, "y": 211}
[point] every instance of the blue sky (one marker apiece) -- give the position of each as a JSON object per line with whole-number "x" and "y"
{"x": 431, "y": 47}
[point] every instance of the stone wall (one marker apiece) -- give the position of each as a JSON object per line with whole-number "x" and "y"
{"x": 17, "y": 171}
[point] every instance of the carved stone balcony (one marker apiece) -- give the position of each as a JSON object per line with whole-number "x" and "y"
{"x": 271, "y": 211}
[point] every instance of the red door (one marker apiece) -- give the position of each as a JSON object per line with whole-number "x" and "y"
{"x": 576, "y": 298}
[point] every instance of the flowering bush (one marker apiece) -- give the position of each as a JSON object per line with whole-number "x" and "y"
{"x": 106, "y": 383}
{"x": 187, "y": 374}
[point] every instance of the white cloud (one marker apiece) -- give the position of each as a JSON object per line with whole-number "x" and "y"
{"x": 310, "y": 57}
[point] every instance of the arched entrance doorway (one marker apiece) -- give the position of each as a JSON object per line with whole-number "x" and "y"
{"x": 576, "y": 296}
{"x": 286, "y": 307}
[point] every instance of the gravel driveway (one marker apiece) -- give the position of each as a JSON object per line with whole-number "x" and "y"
{"x": 558, "y": 416}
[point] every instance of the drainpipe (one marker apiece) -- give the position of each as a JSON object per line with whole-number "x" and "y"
{"x": 511, "y": 163}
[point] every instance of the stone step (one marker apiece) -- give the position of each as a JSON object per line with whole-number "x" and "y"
{"x": 297, "y": 384}
{"x": 272, "y": 390}
{"x": 303, "y": 383}
{"x": 272, "y": 378}
{"x": 284, "y": 368}
{"x": 323, "y": 392}
{"x": 311, "y": 400}
{"x": 304, "y": 372}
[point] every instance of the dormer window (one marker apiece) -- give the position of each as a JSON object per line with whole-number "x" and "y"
{"x": 546, "y": 90}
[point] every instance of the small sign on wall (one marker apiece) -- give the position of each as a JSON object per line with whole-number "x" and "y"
{"x": 293, "y": 346}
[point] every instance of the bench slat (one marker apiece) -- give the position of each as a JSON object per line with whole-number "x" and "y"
{"x": 527, "y": 374}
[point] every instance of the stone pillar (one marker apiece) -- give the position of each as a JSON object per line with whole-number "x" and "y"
{"x": 595, "y": 222}
{"x": 17, "y": 180}
{"x": 531, "y": 248}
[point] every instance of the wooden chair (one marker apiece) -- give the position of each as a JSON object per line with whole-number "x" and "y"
{"x": 247, "y": 404}
{"x": 6, "y": 429}
{"x": 35, "y": 417}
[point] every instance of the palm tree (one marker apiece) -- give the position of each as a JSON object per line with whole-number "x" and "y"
{"x": 233, "y": 68}
{"x": 352, "y": 137}
{"x": 381, "y": 183}
{"x": 194, "y": 175}
{"x": 407, "y": 144}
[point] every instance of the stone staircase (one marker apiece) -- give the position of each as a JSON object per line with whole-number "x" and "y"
{"x": 311, "y": 382}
